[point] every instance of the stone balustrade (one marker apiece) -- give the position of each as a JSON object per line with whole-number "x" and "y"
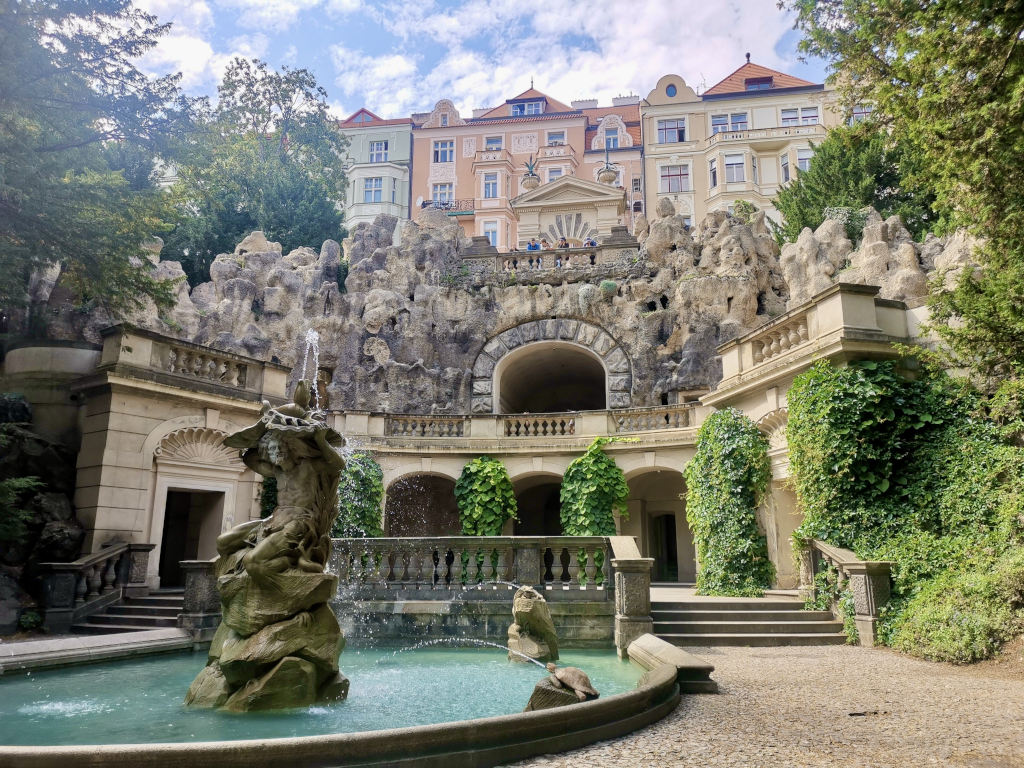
{"x": 72, "y": 591}
{"x": 492, "y": 567}
{"x": 424, "y": 426}
{"x": 649, "y": 419}
{"x": 200, "y": 364}
{"x": 868, "y": 580}
{"x": 780, "y": 339}
{"x": 540, "y": 426}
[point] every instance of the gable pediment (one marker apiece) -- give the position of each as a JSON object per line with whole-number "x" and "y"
{"x": 571, "y": 189}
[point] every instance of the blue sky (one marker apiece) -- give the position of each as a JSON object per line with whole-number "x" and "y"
{"x": 401, "y": 57}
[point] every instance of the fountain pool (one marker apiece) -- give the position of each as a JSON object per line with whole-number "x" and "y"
{"x": 140, "y": 701}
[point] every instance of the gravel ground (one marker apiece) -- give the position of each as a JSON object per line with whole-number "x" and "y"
{"x": 829, "y": 706}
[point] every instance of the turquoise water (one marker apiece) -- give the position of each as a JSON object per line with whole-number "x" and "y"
{"x": 130, "y": 702}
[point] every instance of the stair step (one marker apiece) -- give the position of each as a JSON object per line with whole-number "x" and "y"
{"x": 90, "y": 628}
{"x": 158, "y": 601}
{"x": 119, "y": 619}
{"x": 716, "y": 615}
{"x": 761, "y": 640}
{"x": 131, "y": 609}
{"x": 728, "y": 604}
{"x": 663, "y": 628}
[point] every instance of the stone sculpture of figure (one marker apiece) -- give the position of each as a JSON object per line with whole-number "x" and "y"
{"x": 278, "y": 642}
{"x": 532, "y": 633}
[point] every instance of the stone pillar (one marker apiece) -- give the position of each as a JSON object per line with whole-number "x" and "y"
{"x": 59, "y": 598}
{"x": 135, "y": 584}
{"x": 632, "y": 601}
{"x": 869, "y": 582}
{"x": 529, "y": 562}
{"x": 201, "y": 613}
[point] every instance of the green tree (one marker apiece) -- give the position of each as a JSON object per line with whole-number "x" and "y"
{"x": 267, "y": 157}
{"x": 360, "y": 491}
{"x": 948, "y": 77}
{"x": 852, "y": 168}
{"x": 593, "y": 490}
{"x": 485, "y": 497}
{"x": 79, "y": 129}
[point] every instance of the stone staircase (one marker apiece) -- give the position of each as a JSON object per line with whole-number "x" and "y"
{"x": 773, "y": 620}
{"x": 158, "y": 610}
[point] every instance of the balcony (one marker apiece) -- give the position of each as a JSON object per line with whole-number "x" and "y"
{"x": 766, "y": 138}
{"x": 451, "y": 207}
{"x": 557, "y": 152}
{"x": 492, "y": 158}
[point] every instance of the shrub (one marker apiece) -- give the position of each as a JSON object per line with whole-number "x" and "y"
{"x": 725, "y": 481}
{"x": 593, "y": 490}
{"x": 360, "y": 490}
{"x": 485, "y": 497}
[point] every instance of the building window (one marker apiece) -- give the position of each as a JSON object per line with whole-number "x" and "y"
{"x": 670, "y": 131}
{"x": 442, "y": 193}
{"x": 803, "y": 159}
{"x": 556, "y": 138}
{"x": 675, "y": 178}
{"x": 611, "y": 138}
{"x": 790, "y": 117}
{"x": 444, "y": 120}
{"x": 372, "y": 189}
{"x": 687, "y": 222}
{"x": 670, "y": 90}
{"x": 638, "y": 207}
{"x": 733, "y": 168}
{"x": 809, "y": 115}
{"x": 860, "y": 113}
{"x": 491, "y": 232}
{"x": 719, "y": 123}
{"x": 492, "y": 142}
{"x": 490, "y": 185}
{"x": 713, "y": 168}
{"x": 636, "y": 185}
{"x": 444, "y": 151}
{"x": 785, "y": 168}
{"x": 753, "y": 168}
{"x": 739, "y": 121}
{"x": 378, "y": 151}
{"x": 757, "y": 83}
{"x": 394, "y": 190}
{"x": 554, "y": 173}
{"x": 527, "y": 108}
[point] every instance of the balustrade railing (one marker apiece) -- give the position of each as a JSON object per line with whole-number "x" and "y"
{"x": 201, "y": 364}
{"x": 780, "y": 339}
{"x": 540, "y": 426}
{"x": 72, "y": 591}
{"x": 449, "y": 205}
{"x": 578, "y": 566}
{"x": 425, "y": 426}
{"x": 649, "y": 419}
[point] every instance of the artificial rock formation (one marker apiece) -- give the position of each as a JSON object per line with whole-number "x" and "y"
{"x": 278, "y": 642}
{"x": 532, "y": 632}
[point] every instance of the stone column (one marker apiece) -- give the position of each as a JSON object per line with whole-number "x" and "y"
{"x": 632, "y": 601}
{"x": 201, "y": 613}
{"x": 869, "y": 582}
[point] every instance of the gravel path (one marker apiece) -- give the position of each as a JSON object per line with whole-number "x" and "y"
{"x": 828, "y": 706}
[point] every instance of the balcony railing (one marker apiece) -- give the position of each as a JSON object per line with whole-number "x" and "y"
{"x": 756, "y": 134}
{"x": 451, "y": 206}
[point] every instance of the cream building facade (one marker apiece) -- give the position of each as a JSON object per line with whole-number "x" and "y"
{"x": 379, "y": 165}
{"x": 742, "y": 139}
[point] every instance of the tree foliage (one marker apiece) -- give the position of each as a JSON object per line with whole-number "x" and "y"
{"x": 360, "y": 491}
{"x": 268, "y": 157}
{"x": 725, "y": 482}
{"x": 79, "y": 129}
{"x": 593, "y": 490}
{"x": 856, "y": 167}
{"x": 485, "y": 497}
{"x": 948, "y": 77}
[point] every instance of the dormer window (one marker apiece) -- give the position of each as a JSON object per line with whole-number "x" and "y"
{"x": 444, "y": 120}
{"x": 527, "y": 108}
{"x": 757, "y": 83}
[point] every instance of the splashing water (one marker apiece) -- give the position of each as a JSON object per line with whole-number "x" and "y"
{"x": 460, "y": 641}
{"x": 312, "y": 344}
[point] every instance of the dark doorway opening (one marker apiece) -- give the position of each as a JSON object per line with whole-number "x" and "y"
{"x": 539, "y": 507}
{"x": 664, "y": 549}
{"x": 551, "y": 377}
{"x": 422, "y": 505}
{"x": 192, "y": 523}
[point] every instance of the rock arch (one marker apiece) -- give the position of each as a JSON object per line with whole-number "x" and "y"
{"x": 578, "y": 332}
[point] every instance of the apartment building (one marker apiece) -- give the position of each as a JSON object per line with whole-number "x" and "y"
{"x": 740, "y": 140}
{"x": 379, "y": 161}
{"x": 475, "y": 168}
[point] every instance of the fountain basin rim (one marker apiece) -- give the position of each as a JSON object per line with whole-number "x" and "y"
{"x": 482, "y": 741}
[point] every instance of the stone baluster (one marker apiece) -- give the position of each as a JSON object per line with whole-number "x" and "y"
{"x": 414, "y": 561}
{"x": 574, "y": 567}
{"x": 504, "y": 564}
{"x": 109, "y": 574}
{"x": 473, "y": 566}
{"x": 95, "y": 579}
{"x": 81, "y": 587}
{"x": 591, "y": 567}
{"x": 606, "y": 568}
{"x": 488, "y": 564}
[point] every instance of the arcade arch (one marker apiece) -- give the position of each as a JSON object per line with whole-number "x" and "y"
{"x": 550, "y": 377}
{"x": 421, "y": 504}
{"x": 657, "y": 517}
{"x": 537, "y": 497}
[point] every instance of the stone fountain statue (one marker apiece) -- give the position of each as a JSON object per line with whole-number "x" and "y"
{"x": 532, "y": 632}
{"x": 278, "y": 642}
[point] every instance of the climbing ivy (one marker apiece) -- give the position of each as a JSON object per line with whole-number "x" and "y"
{"x": 725, "y": 481}
{"x": 926, "y": 472}
{"x": 485, "y": 497}
{"x": 360, "y": 490}
{"x": 593, "y": 490}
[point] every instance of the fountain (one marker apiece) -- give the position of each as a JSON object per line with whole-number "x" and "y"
{"x": 278, "y": 642}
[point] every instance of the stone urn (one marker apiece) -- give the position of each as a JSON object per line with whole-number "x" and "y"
{"x": 531, "y": 181}
{"x": 607, "y": 175}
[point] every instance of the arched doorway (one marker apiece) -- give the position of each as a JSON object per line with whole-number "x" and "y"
{"x": 421, "y": 505}
{"x": 539, "y": 507}
{"x": 550, "y": 377}
{"x": 657, "y": 517}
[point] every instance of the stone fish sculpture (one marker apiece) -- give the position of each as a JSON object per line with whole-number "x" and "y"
{"x": 278, "y": 642}
{"x": 532, "y": 632}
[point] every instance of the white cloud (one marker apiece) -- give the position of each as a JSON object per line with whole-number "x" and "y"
{"x": 390, "y": 79}
{"x": 269, "y": 14}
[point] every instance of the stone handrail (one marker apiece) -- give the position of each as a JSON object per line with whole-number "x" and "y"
{"x": 578, "y": 567}
{"x": 424, "y": 426}
{"x": 201, "y": 364}
{"x": 647, "y": 419}
{"x": 546, "y": 425}
{"x": 75, "y": 590}
{"x": 868, "y": 580}
{"x": 780, "y": 338}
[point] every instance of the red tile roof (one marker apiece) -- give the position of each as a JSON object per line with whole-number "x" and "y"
{"x": 553, "y": 105}
{"x": 349, "y": 122}
{"x": 736, "y": 82}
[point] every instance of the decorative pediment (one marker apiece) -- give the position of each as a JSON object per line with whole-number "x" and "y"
{"x": 198, "y": 445}
{"x": 571, "y": 189}
{"x": 773, "y": 425}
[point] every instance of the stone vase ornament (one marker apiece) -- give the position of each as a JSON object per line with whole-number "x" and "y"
{"x": 278, "y": 642}
{"x": 532, "y": 633}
